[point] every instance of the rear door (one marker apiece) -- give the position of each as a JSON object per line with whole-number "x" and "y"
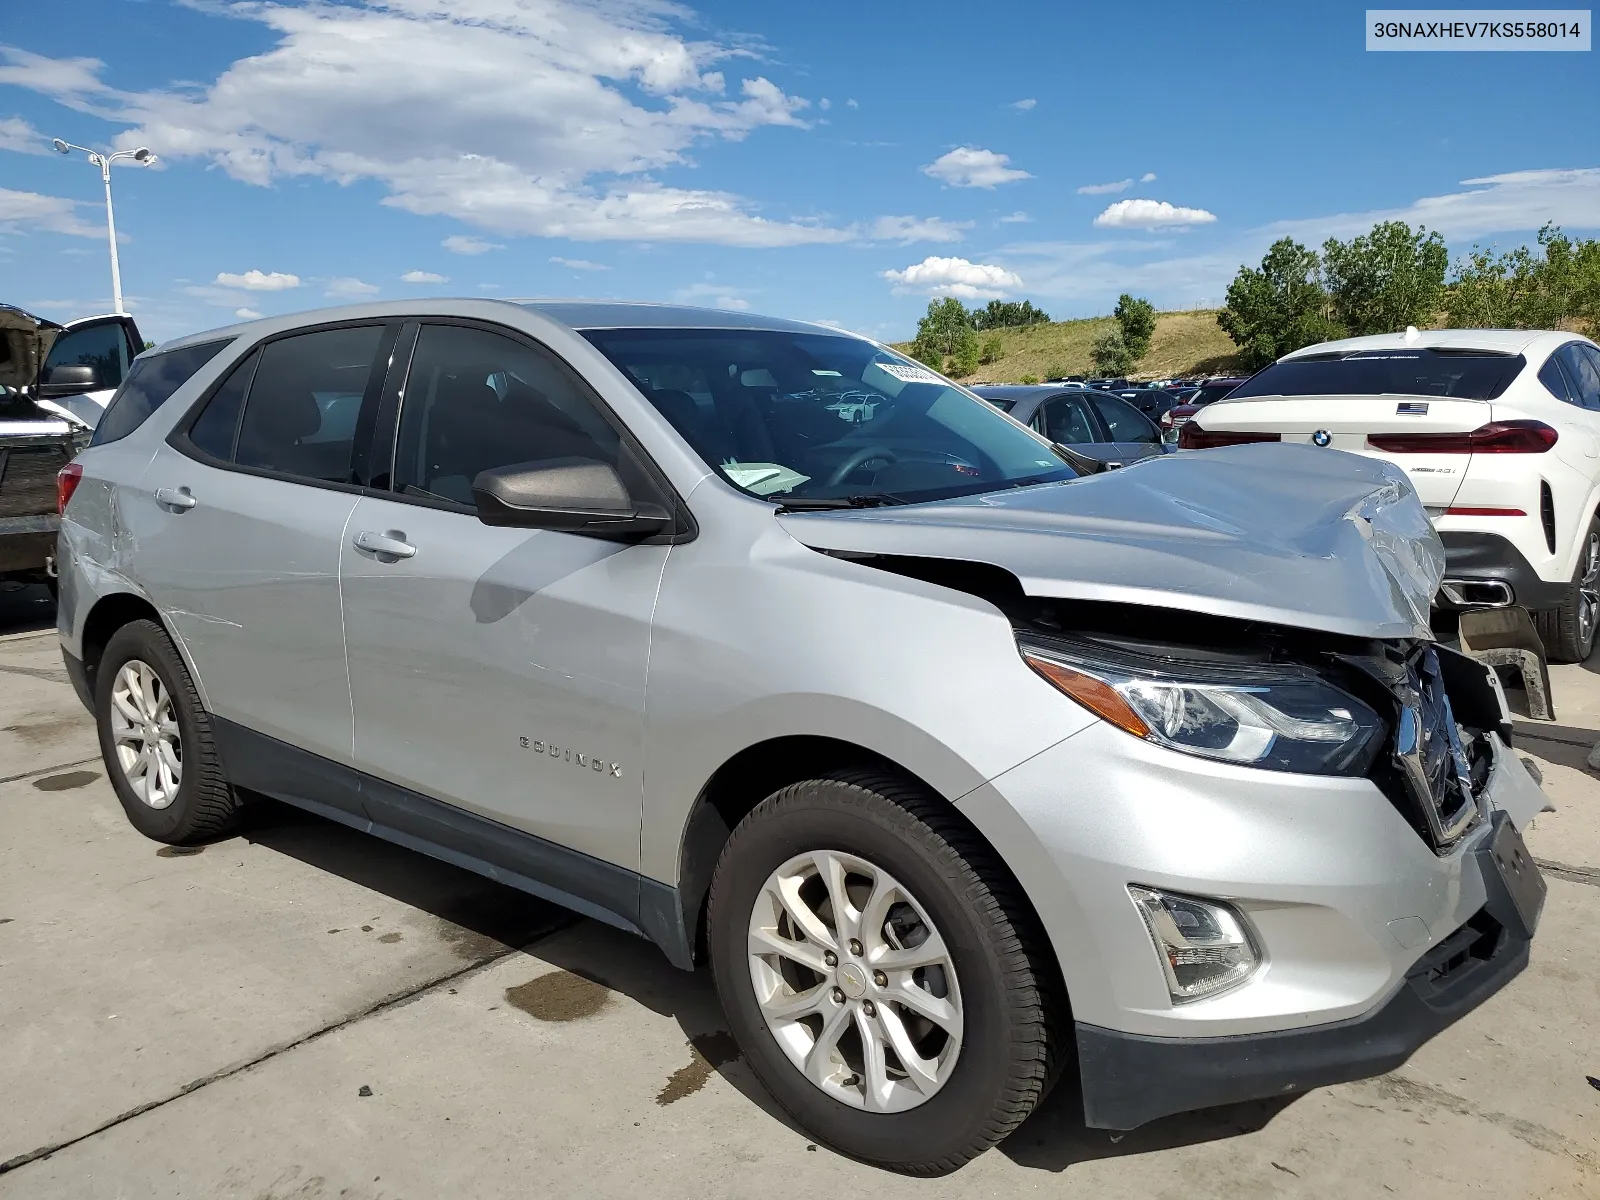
{"x": 239, "y": 522}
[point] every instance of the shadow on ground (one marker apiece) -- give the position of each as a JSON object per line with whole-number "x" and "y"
{"x": 483, "y": 918}
{"x": 26, "y": 609}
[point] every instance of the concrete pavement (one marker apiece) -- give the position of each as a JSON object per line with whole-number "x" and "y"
{"x": 303, "y": 1012}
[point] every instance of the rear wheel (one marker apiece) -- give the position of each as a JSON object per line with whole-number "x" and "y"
{"x": 156, "y": 739}
{"x": 1568, "y": 632}
{"x": 880, "y": 972}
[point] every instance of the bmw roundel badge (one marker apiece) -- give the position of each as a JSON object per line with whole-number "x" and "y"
{"x": 1322, "y": 437}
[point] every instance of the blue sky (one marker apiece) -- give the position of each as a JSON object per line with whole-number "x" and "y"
{"x": 826, "y": 161}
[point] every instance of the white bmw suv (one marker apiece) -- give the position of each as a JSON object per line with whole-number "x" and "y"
{"x": 1499, "y": 431}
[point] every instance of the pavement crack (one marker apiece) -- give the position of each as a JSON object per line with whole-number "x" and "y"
{"x": 48, "y": 770}
{"x": 393, "y": 1000}
{"x": 1589, "y": 875}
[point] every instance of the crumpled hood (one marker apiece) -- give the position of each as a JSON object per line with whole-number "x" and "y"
{"x": 1289, "y": 534}
{"x": 27, "y": 340}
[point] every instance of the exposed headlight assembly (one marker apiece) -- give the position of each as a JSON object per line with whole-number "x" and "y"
{"x": 1277, "y": 716}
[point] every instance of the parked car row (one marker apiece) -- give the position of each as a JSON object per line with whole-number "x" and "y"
{"x": 775, "y": 647}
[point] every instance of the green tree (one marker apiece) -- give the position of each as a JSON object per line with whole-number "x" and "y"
{"x": 1385, "y": 280}
{"x": 964, "y": 361}
{"x": 1004, "y": 314}
{"x": 1137, "y": 321}
{"x": 1518, "y": 290}
{"x": 1278, "y": 308}
{"x": 992, "y": 349}
{"x": 947, "y": 326}
{"x": 1110, "y": 353}
{"x": 1030, "y": 379}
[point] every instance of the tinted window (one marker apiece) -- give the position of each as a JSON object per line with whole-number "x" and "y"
{"x": 1066, "y": 420}
{"x": 217, "y": 427}
{"x": 1127, "y": 424}
{"x": 1388, "y": 373}
{"x": 148, "y": 386}
{"x": 1581, "y": 370}
{"x": 477, "y": 400}
{"x": 103, "y": 347}
{"x": 299, "y": 416}
{"x": 1209, "y": 392}
{"x": 1556, "y": 381}
{"x": 1002, "y": 405}
{"x": 815, "y": 416}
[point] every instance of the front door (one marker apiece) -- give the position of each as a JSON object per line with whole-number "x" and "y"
{"x": 501, "y": 671}
{"x": 239, "y": 533}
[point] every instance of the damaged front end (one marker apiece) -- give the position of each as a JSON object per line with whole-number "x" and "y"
{"x": 1417, "y": 719}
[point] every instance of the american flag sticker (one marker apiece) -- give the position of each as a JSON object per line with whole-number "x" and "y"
{"x": 1410, "y": 408}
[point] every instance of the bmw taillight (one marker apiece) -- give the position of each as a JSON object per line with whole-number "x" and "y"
{"x": 1193, "y": 437}
{"x": 66, "y": 483}
{"x": 1497, "y": 437}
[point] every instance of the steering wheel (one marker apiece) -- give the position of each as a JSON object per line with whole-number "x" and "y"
{"x": 854, "y": 462}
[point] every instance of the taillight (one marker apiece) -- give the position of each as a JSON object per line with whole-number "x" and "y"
{"x": 66, "y": 483}
{"x": 1193, "y": 437}
{"x": 1497, "y": 437}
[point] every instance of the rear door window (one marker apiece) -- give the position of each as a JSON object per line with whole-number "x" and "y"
{"x": 149, "y": 385}
{"x": 1066, "y": 420}
{"x": 1583, "y": 374}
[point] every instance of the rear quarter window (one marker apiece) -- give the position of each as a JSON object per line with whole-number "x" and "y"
{"x": 149, "y": 385}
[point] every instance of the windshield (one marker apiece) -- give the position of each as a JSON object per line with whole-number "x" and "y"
{"x": 1463, "y": 375}
{"x": 815, "y": 416}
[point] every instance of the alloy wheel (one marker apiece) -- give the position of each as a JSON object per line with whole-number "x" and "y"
{"x": 144, "y": 729}
{"x": 855, "y": 982}
{"x": 1589, "y": 592}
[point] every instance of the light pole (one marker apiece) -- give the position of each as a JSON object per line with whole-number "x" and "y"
{"x": 104, "y": 161}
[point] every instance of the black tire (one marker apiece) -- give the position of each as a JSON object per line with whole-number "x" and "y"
{"x": 1568, "y": 632}
{"x": 1008, "y": 1055}
{"x": 204, "y": 805}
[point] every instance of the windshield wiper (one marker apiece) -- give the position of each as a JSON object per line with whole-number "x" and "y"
{"x": 818, "y": 503}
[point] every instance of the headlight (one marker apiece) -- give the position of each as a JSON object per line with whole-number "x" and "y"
{"x": 1282, "y": 717}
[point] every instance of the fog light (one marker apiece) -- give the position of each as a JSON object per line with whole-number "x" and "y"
{"x": 1203, "y": 944}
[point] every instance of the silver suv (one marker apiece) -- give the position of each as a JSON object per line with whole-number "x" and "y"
{"x": 766, "y": 643}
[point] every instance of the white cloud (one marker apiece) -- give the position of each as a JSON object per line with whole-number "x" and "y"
{"x": 714, "y": 295}
{"x": 423, "y": 277}
{"x": 52, "y": 214}
{"x": 259, "y": 281}
{"x": 247, "y": 314}
{"x": 1023, "y": 105}
{"x": 458, "y": 244}
{"x": 539, "y": 118}
{"x": 1151, "y": 214}
{"x": 917, "y": 229}
{"x": 346, "y": 287}
{"x": 935, "y": 276}
{"x": 1105, "y": 189}
{"x": 824, "y": 104}
{"x": 16, "y": 134}
{"x": 1148, "y": 177}
{"x": 1017, "y": 218}
{"x": 1519, "y": 200}
{"x": 971, "y": 166}
{"x": 578, "y": 264}
{"x": 852, "y": 104}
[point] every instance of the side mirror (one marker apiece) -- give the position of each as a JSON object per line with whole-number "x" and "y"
{"x": 70, "y": 380}
{"x": 578, "y": 495}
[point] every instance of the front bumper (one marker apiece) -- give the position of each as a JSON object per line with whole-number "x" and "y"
{"x": 1350, "y": 905}
{"x": 1129, "y": 1079}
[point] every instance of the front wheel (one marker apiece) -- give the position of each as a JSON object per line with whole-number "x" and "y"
{"x": 881, "y": 973}
{"x": 1568, "y": 632}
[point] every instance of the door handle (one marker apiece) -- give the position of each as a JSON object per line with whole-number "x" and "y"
{"x": 391, "y": 545}
{"x": 178, "y": 498}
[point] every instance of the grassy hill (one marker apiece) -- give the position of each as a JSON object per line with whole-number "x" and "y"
{"x": 1185, "y": 343}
